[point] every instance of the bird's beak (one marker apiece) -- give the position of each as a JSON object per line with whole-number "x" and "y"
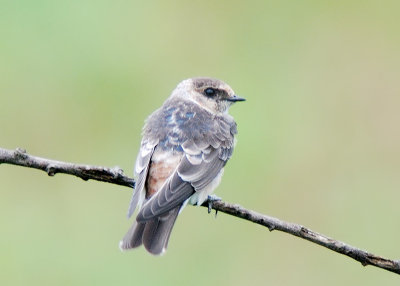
{"x": 235, "y": 98}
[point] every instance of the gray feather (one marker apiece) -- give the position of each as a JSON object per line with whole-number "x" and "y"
{"x": 141, "y": 170}
{"x": 173, "y": 194}
{"x": 157, "y": 232}
{"x": 133, "y": 238}
{"x": 188, "y": 179}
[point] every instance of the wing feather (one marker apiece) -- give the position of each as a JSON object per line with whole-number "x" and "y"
{"x": 204, "y": 156}
{"x": 186, "y": 180}
{"x": 141, "y": 170}
{"x": 173, "y": 194}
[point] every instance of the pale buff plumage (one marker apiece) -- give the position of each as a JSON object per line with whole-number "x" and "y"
{"x": 185, "y": 146}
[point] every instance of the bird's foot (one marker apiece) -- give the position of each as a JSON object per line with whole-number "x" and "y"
{"x": 210, "y": 200}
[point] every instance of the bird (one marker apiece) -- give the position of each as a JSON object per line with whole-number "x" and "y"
{"x": 185, "y": 145}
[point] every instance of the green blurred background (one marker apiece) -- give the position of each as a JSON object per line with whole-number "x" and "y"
{"x": 318, "y": 136}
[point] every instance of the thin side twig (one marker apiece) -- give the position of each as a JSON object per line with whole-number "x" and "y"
{"x": 116, "y": 176}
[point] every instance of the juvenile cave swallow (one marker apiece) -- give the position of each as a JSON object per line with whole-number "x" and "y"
{"x": 186, "y": 144}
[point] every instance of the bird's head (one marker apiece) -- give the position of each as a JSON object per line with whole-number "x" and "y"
{"x": 210, "y": 93}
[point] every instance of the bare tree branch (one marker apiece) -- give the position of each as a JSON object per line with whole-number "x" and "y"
{"x": 273, "y": 223}
{"x": 116, "y": 176}
{"x": 51, "y": 167}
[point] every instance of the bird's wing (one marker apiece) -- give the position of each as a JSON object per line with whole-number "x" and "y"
{"x": 141, "y": 169}
{"x": 203, "y": 160}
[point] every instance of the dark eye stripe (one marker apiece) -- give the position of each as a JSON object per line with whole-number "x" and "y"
{"x": 210, "y": 91}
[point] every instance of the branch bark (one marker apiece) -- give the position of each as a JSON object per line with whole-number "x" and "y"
{"x": 116, "y": 176}
{"x": 51, "y": 167}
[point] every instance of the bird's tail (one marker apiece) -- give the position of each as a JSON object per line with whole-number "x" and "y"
{"x": 153, "y": 234}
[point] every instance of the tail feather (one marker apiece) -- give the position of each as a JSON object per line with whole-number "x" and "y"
{"x": 153, "y": 234}
{"x": 157, "y": 232}
{"x": 133, "y": 238}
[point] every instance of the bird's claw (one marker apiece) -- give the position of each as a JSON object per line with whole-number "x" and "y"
{"x": 210, "y": 200}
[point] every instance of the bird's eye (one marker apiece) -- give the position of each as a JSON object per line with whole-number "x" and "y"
{"x": 210, "y": 91}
